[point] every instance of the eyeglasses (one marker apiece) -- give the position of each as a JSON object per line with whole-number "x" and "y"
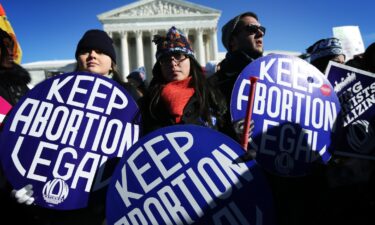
{"x": 252, "y": 29}
{"x": 177, "y": 57}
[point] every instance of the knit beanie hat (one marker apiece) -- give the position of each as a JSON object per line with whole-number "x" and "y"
{"x": 230, "y": 26}
{"x": 175, "y": 41}
{"x": 138, "y": 76}
{"x": 99, "y": 40}
{"x": 325, "y": 47}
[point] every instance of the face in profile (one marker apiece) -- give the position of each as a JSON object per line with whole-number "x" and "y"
{"x": 248, "y": 36}
{"x": 6, "y": 54}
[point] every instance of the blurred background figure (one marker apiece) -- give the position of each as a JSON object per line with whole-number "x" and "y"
{"x": 325, "y": 50}
{"x": 365, "y": 61}
{"x": 211, "y": 68}
{"x": 137, "y": 78}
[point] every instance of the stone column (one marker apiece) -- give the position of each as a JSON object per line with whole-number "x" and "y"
{"x": 124, "y": 55}
{"x": 110, "y": 34}
{"x": 153, "y": 47}
{"x": 186, "y": 32}
{"x": 213, "y": 44}
{"x": 200, "y": 47}
{"x": 139, "y": 47}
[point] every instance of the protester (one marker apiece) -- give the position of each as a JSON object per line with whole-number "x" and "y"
{"x": 178, "y": 91}
{"x": 242, "y": 36}
{"x": 293, "y": 197}
{"x": 13, "y": 77}
{"x": 94, "y": 54}
{"x": 138, "y": 79}
{"x": 211, "y": 68}
{"x": 13, "y": 85}
{"x": 351, "y": 179}
{"x": 325, "y": 50}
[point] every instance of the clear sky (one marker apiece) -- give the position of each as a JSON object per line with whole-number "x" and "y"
{"x": 50, "y": 29}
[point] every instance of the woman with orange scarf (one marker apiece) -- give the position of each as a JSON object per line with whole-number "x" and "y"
{"x": 178, "y": 91}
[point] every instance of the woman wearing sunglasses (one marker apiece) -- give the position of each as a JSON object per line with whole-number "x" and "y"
{"x": 178, "y": 92}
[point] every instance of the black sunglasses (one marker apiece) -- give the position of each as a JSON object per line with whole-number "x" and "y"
{"x": 252, "y": 29}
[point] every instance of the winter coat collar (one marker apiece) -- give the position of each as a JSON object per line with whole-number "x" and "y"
{"x": 16, "y": 75}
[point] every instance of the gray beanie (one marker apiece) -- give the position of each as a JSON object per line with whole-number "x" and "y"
{"x": 325, "y": 47}
{"x": 230, "y": 26}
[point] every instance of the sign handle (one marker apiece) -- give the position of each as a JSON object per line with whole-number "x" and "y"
{"x": 249, "y": 112}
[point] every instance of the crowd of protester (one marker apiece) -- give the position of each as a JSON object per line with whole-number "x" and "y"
{"x": 181, "y": 93}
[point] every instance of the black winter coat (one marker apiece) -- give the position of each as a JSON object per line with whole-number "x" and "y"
{"x": 224, "y": 80}
{"x": 13, "y": 83}
{"x": 230, "y": 68}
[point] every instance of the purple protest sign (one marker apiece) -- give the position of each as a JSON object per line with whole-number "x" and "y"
{"x": 356, "y": 91}
{"x": 59, "y": 135}
{"x": 174, "y": 175}
{"x": 294, "y": 113}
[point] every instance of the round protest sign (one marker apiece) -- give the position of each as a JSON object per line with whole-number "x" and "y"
{"x": 188, "y": 174}
{"x": 294, "y": 113}
{"x": 61, "y": 135}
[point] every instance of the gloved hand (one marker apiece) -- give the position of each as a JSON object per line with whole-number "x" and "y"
{"x": 24, "y": 195}
{"x": 239, "y": 126}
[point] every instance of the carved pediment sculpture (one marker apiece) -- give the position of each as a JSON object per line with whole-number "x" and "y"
{"x": 159, "y": 7}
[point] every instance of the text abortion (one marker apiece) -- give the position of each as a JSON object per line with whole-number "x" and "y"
{"x": 68, "y": 126}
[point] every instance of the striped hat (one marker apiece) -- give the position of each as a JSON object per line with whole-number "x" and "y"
{"x": 175, "y": 41}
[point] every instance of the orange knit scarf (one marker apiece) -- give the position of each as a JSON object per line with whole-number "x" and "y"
{"x": 175, "y": 96}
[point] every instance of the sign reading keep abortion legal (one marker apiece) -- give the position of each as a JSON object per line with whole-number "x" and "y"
{"x": 60, "y": 135}
{"x": 294, "y": 113}
{"x": 356, "y": 91}
{"x": 188, "y": 174}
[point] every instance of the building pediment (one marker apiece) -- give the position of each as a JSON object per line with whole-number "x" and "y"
{"x": 157, "y": 8}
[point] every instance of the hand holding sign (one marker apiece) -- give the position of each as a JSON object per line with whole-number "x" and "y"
{"x": 295, "y": 111}
{"x": 24, "y": 195}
